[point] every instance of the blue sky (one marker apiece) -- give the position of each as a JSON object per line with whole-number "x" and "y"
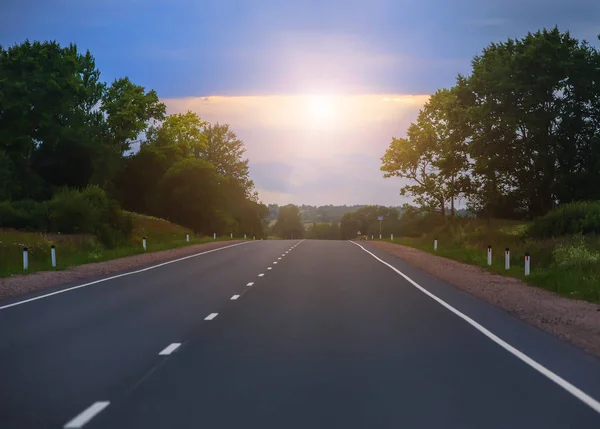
{"x": 243, "y": 55}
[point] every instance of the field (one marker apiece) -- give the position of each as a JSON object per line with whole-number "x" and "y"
{"x": 569, "y": 266}
{"x": 83, "y": 248}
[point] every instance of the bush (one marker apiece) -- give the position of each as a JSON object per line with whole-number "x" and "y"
{"x": 568, "y": 219}
{"x": 90, "y": 210}
{"x": 26, "y": 215}
{"x": 71, "y": 211}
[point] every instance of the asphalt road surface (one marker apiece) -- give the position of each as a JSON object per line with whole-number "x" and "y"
{"x": 284, "y": 334}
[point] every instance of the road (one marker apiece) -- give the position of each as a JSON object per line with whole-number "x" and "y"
{"x": 332, "y": 335}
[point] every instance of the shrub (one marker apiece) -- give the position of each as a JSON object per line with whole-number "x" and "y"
{"x": 26, "y": 214}
{"x": 70, "y": 212}
{"x": 568, "y": 219}
{"x": 90, "y": 210}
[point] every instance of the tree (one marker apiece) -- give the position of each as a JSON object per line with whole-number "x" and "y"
{"x": 129, "y": 109}
{"x": 189, "y": 196}
{"x": 48, "y": 122}
{"x": 226, "y": 152}
{"x": 180, "y": 136}
{"x": 289, "y": 224}
{"x": 324, "y": 231}
{"x": 533, "y": 112}
{"x": 366, "y": 221}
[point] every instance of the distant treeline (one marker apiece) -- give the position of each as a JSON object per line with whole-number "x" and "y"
{"x": 321, "y": 214}
{"x": 64, "y": 130}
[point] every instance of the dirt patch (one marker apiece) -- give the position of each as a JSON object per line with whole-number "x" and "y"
{"x": 21, "y": 284}
{"x": 568, "y": 319}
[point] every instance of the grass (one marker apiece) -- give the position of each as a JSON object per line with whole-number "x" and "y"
{"x": 569, "y": 266}
{"x": 72, "y": 250}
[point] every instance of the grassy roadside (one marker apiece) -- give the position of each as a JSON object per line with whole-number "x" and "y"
{"x": 72, "y": 250}
{"x": 569, "y": 266}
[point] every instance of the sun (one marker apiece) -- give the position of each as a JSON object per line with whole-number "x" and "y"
{"x": 321, "y": 106}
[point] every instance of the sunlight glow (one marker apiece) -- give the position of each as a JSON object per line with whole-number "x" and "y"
{"x": 321, "y": 106}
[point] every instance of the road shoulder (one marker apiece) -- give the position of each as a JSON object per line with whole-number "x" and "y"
{"x": 23, "y": 284}
{"x": 575, "y": 321}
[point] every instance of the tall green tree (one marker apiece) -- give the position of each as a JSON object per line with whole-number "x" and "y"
{"x": 289, "y": 224}
{"x": 190, "y": 197}
{"x": 433, "y": 156}
{"x": 226, "y": 152}
{"x": 48, "y": 122}
{"x": 533, "y": 107}
{"x": 129, "y": 109}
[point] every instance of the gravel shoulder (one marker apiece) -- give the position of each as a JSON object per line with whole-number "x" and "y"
{"x": 575, "y": 321}
{"x": 22, "y": 284}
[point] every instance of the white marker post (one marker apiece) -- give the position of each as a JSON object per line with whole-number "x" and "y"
{"x": 435, "y": 244}
{"x": 187, "y": 237}
{"x": 527, "y": 263}
{"x": 489, "y": 255}
{"x": 53, "y": 255}
{"x": 231, "y": 235}
{"x": 372, "y": 237}
{"x": 392, "y": 237}
{"x": 244, "y": 236}
{"x": 507, "y": 259}
{"x": 25, "y": 258}
{"x": 144, "y": 242}
{"x": 254, "y": 237}
{"x": 380, "y": 236}
{"x": 214, "y": 235}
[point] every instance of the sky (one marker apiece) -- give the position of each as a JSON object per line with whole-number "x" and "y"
{"x": 315, "y": 89}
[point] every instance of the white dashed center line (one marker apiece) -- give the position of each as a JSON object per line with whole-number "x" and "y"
{"x": 211, "y": 316}
{"x": 170, "y": 349}
{"x": 279, "y": 258}
{"x": 87, "y": 415}
{"x": 270, "y": 268}
{"x": 250, "y": 284}
{"x": 234, "y": 297}
{"x": 275, "y": 262}
{"x": 261, "y": 274}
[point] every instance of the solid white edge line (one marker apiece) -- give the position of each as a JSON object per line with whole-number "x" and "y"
{"x": 86, "y": 415}
{"x": 575, "y": 391}
{"x": 211, "y": 316}
{"x": 169, "y": 349}
{"x": 234, "y": 297}
{"x": 250, "y": 284}
{"x": 120, "y": 275}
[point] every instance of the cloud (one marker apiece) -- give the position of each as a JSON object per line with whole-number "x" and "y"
{"x": 314, "y": 149}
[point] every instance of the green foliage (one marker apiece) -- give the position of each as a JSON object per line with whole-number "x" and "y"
{"x": 568, "y": 219}
{"x": 129, "y": 108}
{"x": 47, "y": 118}
{"x": 324, "y": 231}
{"x": 432, "y": 156}
{"x": 27, "y": 215}
{"x": 365, "y": 221}
{"x": 517, "y": 137}
{"x": 569, "y": 265}
{"x": 62, "y": 130}
{"x": 70, "y": 211}
{"x": 289, "y": 223}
